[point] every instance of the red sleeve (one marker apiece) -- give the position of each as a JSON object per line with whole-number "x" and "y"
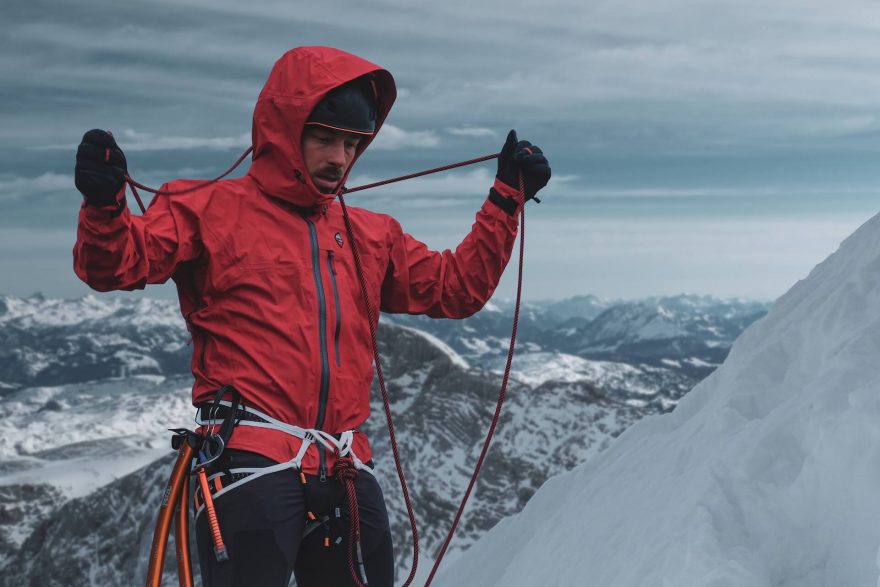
{"x": 120, "y": 251}
{"x": 452, "y": 284}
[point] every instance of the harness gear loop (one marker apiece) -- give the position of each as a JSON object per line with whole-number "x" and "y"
{"x": 217, "y": 434}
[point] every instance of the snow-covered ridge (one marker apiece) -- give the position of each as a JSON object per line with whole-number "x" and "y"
{"x": 765, "y": 474}
{"x": 650, "y": 352}
{"x": 671, "y": 342}
{"x": 442, "y": 346}
{"x": 38, "y": 311}
{"x": 588, "y": 326}
{"x": 55, "y": 342}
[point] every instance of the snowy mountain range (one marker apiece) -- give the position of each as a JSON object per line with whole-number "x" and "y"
{"x": 767, "y": 473}
{"x": 91, "y": 385}
{"x": 647, "y": 352}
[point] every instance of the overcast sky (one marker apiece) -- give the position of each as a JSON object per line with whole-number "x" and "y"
{"x": 720, "y": 147}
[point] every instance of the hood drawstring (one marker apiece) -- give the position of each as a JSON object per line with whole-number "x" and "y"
{"x": 133, "y": 184}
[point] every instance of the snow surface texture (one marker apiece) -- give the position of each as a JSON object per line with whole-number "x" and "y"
{"x": 64, "y": 442}
{"x": 766, "y": 474}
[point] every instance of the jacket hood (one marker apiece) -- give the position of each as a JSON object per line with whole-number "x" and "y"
{"x": 297, "y": 82}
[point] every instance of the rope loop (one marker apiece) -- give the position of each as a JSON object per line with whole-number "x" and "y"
{"x": 345, "y": 469}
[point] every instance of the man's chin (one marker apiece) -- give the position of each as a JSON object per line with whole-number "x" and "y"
{"x": 326, "y": 187}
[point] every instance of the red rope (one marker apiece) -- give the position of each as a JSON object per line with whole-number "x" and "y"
{"x": 347, "y": 473}
{"x": 134, "y": 185}
{"x": 501, "y": 393}
{"x": 201, "y": 184}
{"x": 421, "y": 173}
{"x": 386, "y": 402}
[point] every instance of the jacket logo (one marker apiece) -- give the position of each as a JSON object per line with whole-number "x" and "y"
{"x": 338, "y": 238}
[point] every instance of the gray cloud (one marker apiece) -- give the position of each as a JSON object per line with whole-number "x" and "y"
{"x": 392, "y": 138}
{"x": 471, "y": 131}
{"x": 132, "y": 140}
{"x": 17, "y": 187}
{"x": 681, "y": 72}
{"x": 722, "y": 104}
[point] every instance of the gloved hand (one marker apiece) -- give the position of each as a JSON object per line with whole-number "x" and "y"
{"x": 522, "y": 156}
{"x": 100, "y": 168}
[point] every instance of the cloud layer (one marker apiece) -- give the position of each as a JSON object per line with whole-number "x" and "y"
{"x": 714, "y": 108}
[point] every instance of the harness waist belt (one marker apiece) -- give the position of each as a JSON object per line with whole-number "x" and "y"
{"x": 212, "y": 416}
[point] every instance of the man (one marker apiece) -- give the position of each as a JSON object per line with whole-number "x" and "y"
{"x": 270, "y": 292}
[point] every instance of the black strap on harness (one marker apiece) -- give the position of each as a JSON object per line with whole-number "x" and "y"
{"x": 208, "y": 411}
{"x": 215, "y": 440}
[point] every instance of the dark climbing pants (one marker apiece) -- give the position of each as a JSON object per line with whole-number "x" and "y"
{"x": 263, "y": 520}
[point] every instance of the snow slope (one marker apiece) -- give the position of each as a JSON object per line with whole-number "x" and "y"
{"x": 766, "y": 474}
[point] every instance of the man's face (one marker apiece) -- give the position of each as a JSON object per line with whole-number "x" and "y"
{"x": 327, "y": 153}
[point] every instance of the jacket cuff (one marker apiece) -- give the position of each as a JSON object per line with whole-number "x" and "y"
{"x": 505, "y": 197}
{"x": 111, "y": 210}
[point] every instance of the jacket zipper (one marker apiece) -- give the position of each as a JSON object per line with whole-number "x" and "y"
{"x": 322, "y": 332}
{"x": 332, "y": 268}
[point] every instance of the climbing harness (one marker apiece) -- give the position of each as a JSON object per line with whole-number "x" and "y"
{"x": 217, "y": 420}
{"x": 341, "y": 444}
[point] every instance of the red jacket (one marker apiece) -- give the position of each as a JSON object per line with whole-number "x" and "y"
{"x": 265, "y": 272}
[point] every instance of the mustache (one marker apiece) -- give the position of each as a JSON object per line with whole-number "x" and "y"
{"x": 331, "y": 172}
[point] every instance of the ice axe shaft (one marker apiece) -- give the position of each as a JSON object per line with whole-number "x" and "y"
{"x": 181, "y": 537}
{"x": 170, "y": 501}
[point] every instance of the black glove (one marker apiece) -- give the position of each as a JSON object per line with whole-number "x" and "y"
{"x": 100, "y": 168}
{"x": 522, "y": 156}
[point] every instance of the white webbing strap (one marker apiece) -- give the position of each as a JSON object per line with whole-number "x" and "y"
{"x": 341, "y": 446}
{"x": 253, "y": 473}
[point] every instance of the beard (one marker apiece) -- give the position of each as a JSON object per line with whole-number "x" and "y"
{"x": 331, "y": 175}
